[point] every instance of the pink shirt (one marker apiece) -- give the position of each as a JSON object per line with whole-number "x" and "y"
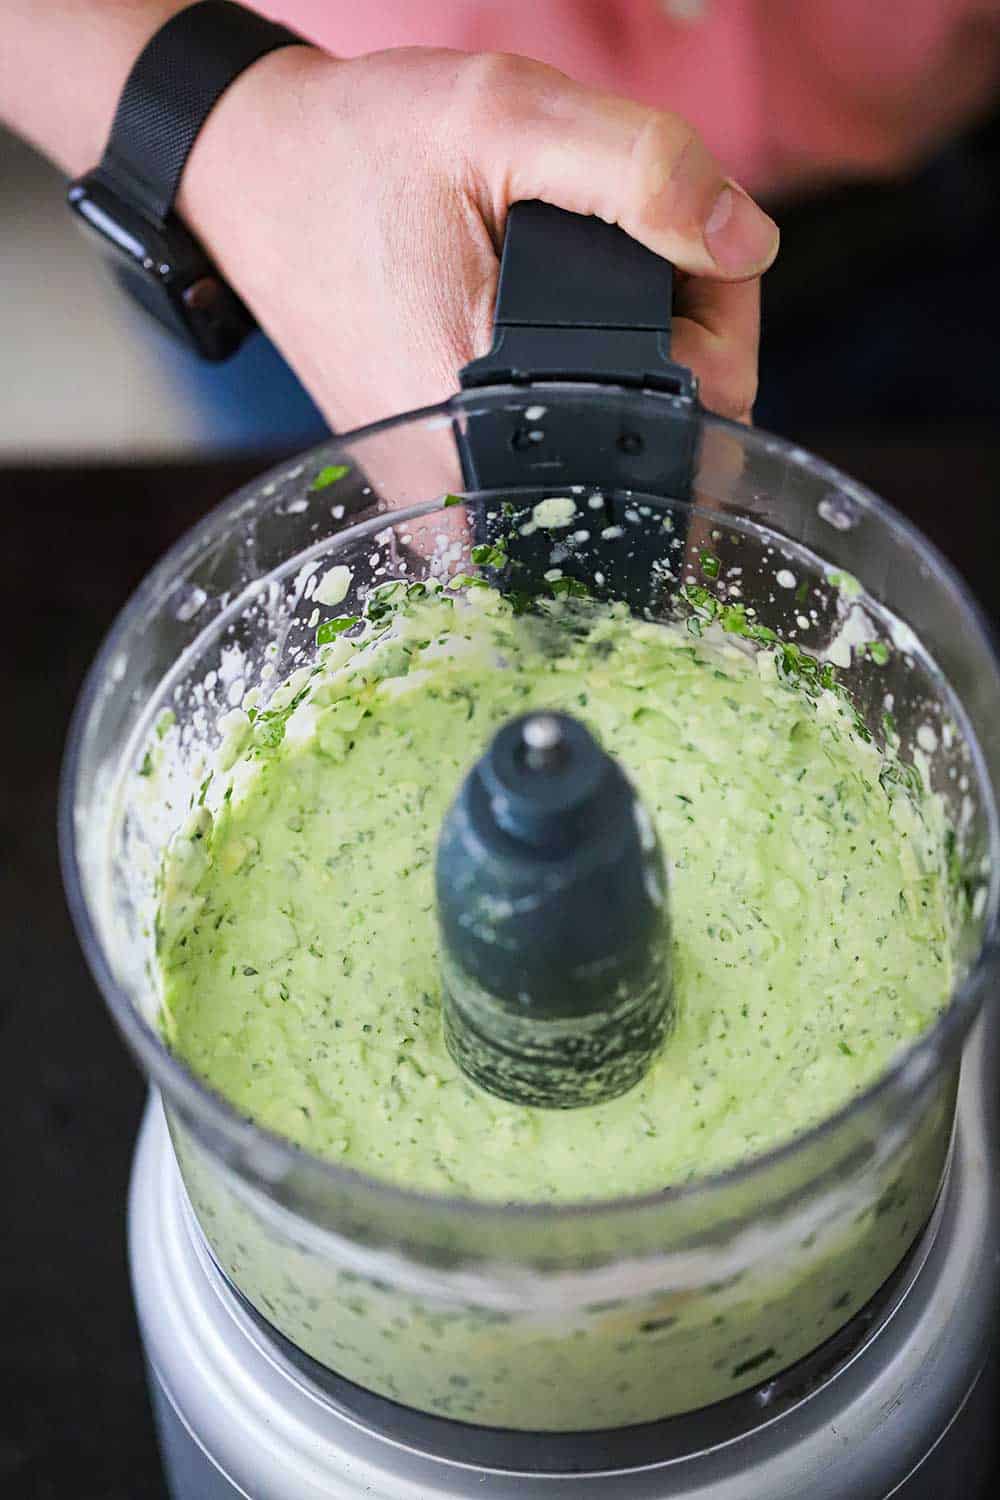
{"x": 784, "y": 91}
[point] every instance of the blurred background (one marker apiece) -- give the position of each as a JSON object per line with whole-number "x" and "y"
{"x": 881, "y": 351}
{"x": 84, "y": 376}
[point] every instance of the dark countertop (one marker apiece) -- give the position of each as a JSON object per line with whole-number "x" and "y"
{"x": 74, "y": 1419}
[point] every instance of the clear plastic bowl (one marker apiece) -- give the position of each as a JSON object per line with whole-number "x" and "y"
{"x": 531, "y": 1317}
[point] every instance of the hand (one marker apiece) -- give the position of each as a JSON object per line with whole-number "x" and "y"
{"x": 358, "y": 207}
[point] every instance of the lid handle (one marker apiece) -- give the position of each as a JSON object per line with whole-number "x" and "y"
{"x": 579, "y": 299}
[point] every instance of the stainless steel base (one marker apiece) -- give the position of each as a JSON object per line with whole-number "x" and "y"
{"x": 911, "y": 1415}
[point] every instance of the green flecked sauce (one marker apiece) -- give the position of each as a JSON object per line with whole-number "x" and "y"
{"x": 298, "y": 938}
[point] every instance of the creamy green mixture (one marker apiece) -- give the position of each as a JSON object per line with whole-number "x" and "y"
{"x": 298, "y": 937}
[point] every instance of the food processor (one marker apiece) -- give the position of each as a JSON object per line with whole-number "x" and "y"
{"x": 818, "y": 1321}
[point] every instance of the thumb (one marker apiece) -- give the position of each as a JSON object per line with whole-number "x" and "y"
{"x": 531, "y": 132}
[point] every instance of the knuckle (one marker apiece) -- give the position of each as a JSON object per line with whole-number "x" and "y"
{"x": 671, "y": 174}
{"x": 736, "y": 389}
{"x": 745, "y": 393}
{"x": 500, "y": 92}
{"x": 491, "y": 84}
{"x": 727, "y": 375}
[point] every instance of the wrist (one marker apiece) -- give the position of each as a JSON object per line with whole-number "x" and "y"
{"x": 227, "y": 191}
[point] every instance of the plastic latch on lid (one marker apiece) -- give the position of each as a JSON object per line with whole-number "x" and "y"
{"x": 604, "y": 319}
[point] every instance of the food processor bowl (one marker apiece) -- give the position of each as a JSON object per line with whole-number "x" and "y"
{"x": 591, "y": 1315}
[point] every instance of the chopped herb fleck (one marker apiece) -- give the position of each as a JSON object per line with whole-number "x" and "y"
{"x": 330, "y": 629}
{"x": 490, "y": 554}
{"x": 329, "y": 476}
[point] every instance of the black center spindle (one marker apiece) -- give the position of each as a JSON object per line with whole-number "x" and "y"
{"x": 555, "y": 931}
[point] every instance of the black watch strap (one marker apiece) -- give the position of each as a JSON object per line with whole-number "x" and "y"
{"x": 175, "y": 81}
{"x": 127, "y": 201}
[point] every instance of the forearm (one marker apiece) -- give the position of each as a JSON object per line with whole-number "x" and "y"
{"x": 62, "y": 67}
